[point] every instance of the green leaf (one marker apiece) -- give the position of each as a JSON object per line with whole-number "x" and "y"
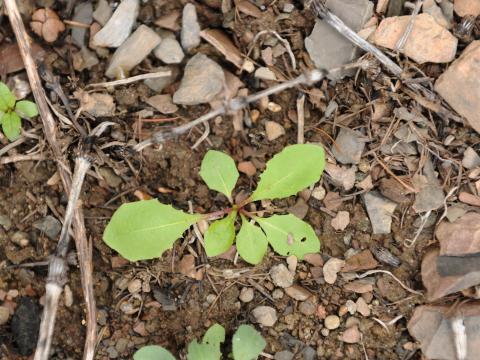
{"x": 291, "y": 170}
{"x": 145, "y": 229}
{"x": 289, "y": 235}
{"x": 220, "y": 235}
{"x": 215, "y": 335}
{"x": 247, "y": 343}
{"x": 219, "y": 172}
{"x": 153, "y": 352}
{"x": 7, "y": 99}
{"x": 251, "y": 242}
{"x": 198, "y": 351}
{"x": 209, "y": 349}
{"x": 11, "y": 125}
{"x": 26, "y": 109}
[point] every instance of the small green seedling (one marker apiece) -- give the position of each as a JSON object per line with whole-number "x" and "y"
{"x": 12, "y": 110}
{"x": 145, "y": 229}
{"x": 247, "y": 344}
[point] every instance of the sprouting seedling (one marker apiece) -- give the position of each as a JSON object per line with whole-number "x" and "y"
{"x": 247, "y": 344}
{"x": 145, "y": 229}
{"x": 11, "y": 112}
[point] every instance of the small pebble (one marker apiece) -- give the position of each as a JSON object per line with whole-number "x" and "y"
{"x": 332, "y": 322}
{"x": 68, "y": 296}
{"x": 265, "y": 73}
{"x": 273, "y": 130}
{"x": 211, "y": 298}
{"x": 265, "y": 315}
{"x": 247, "y": 168}
{"x": 351, "y": 335}
{"x": 134, "y": 286}
{"x": 277, "y": 294}
{"x": 274, "y": 107}
{"x": 20, "y": 238}
{"x": 292, "y": 262}
{"x": 319, "y": 193}
{"x": 246, "y": 294}
{"x": 362, "y": 307}
{"x": 351, "y": 307}
{"x": 325, "y": 332}
{"x": 4, "y": 315}
{"x": 288, "y": 8}
{"x": 307, "y": 308}
{"x": 281, "y": 276}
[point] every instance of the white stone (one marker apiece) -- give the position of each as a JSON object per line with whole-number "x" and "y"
{"x": 119, "y": 26}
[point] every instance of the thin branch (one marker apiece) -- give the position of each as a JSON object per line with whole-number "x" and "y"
{"x": 371, "y": 272}
{"x": 334, "y": 21}
{"x": 57, "y": 270}
{"x": 231, "y": 106}
{"x": 401, "y": 42}
{"x": 83, "y": 251}
{"x": 301, "y": 119}
{"x": 131, "y": 79}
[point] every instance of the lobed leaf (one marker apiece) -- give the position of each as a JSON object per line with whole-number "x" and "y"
{"x": 7, "y": 99}
{"x": 289, "y": 235}
{"x": 145, "y": 229}
{"x": 219, "y": 172}
{"x": 251, "y": 242}
{"x": 26, "y": 109}
{"x": 291, "y": 170}
{"x": 220, "y": 235}
{"x": 247, "y": 343}
{"x": 153, "y": 352}
{"x": 11, "y": 125}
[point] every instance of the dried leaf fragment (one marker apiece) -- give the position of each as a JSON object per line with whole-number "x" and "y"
{"x": 47, "y": 24}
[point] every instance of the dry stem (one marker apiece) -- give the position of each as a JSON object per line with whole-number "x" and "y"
{"x": 83, "y": 251}
{"x": 232, "y": 106}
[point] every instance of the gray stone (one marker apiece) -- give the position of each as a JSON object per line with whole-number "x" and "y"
{"x": 49, "y": 225}
{"x": 160, "y": 83}
{"x": 349, "y": 146}
{"x": 119, "y": 26}
{"x": 169, "y": 51}
{"x": 265, "y": 315}
{"x": 202, "y": 81}
{"x": 246, "y": 294}
{"x": 20, "y": 238}
{"x": 83, "y": 14}
{"x": 190, "y": 35}
{"x": 380, "y": 211}
{"x": 112, "y": 179}
{"x": 307, "y": 308}
{"x": 281, "y": 276}
{"x": 329, "y": 49}
{"x": 133, "y": 51}
{"x": 162, "y": 103}
{"x": 103, "y": 12}
{"x": 5, "y": 222}
{"x": 431, "y": 195}
{"x": 470, "y": 158}
{"x": 264, "y": 73}
{"x": 284, "y": 355}
{"x": 309, "y": 353}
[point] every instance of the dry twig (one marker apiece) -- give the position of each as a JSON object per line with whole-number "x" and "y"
{"x": 83, "y": 251}
{"x": 232, "y": 106}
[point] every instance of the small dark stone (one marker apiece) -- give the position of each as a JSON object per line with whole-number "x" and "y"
{"x": 25, "y": 325}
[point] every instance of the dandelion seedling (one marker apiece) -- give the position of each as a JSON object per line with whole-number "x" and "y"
{"x": 145, "y": 229}
{"x": 247, "y": 344}
{"x": 12, "y": 111}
